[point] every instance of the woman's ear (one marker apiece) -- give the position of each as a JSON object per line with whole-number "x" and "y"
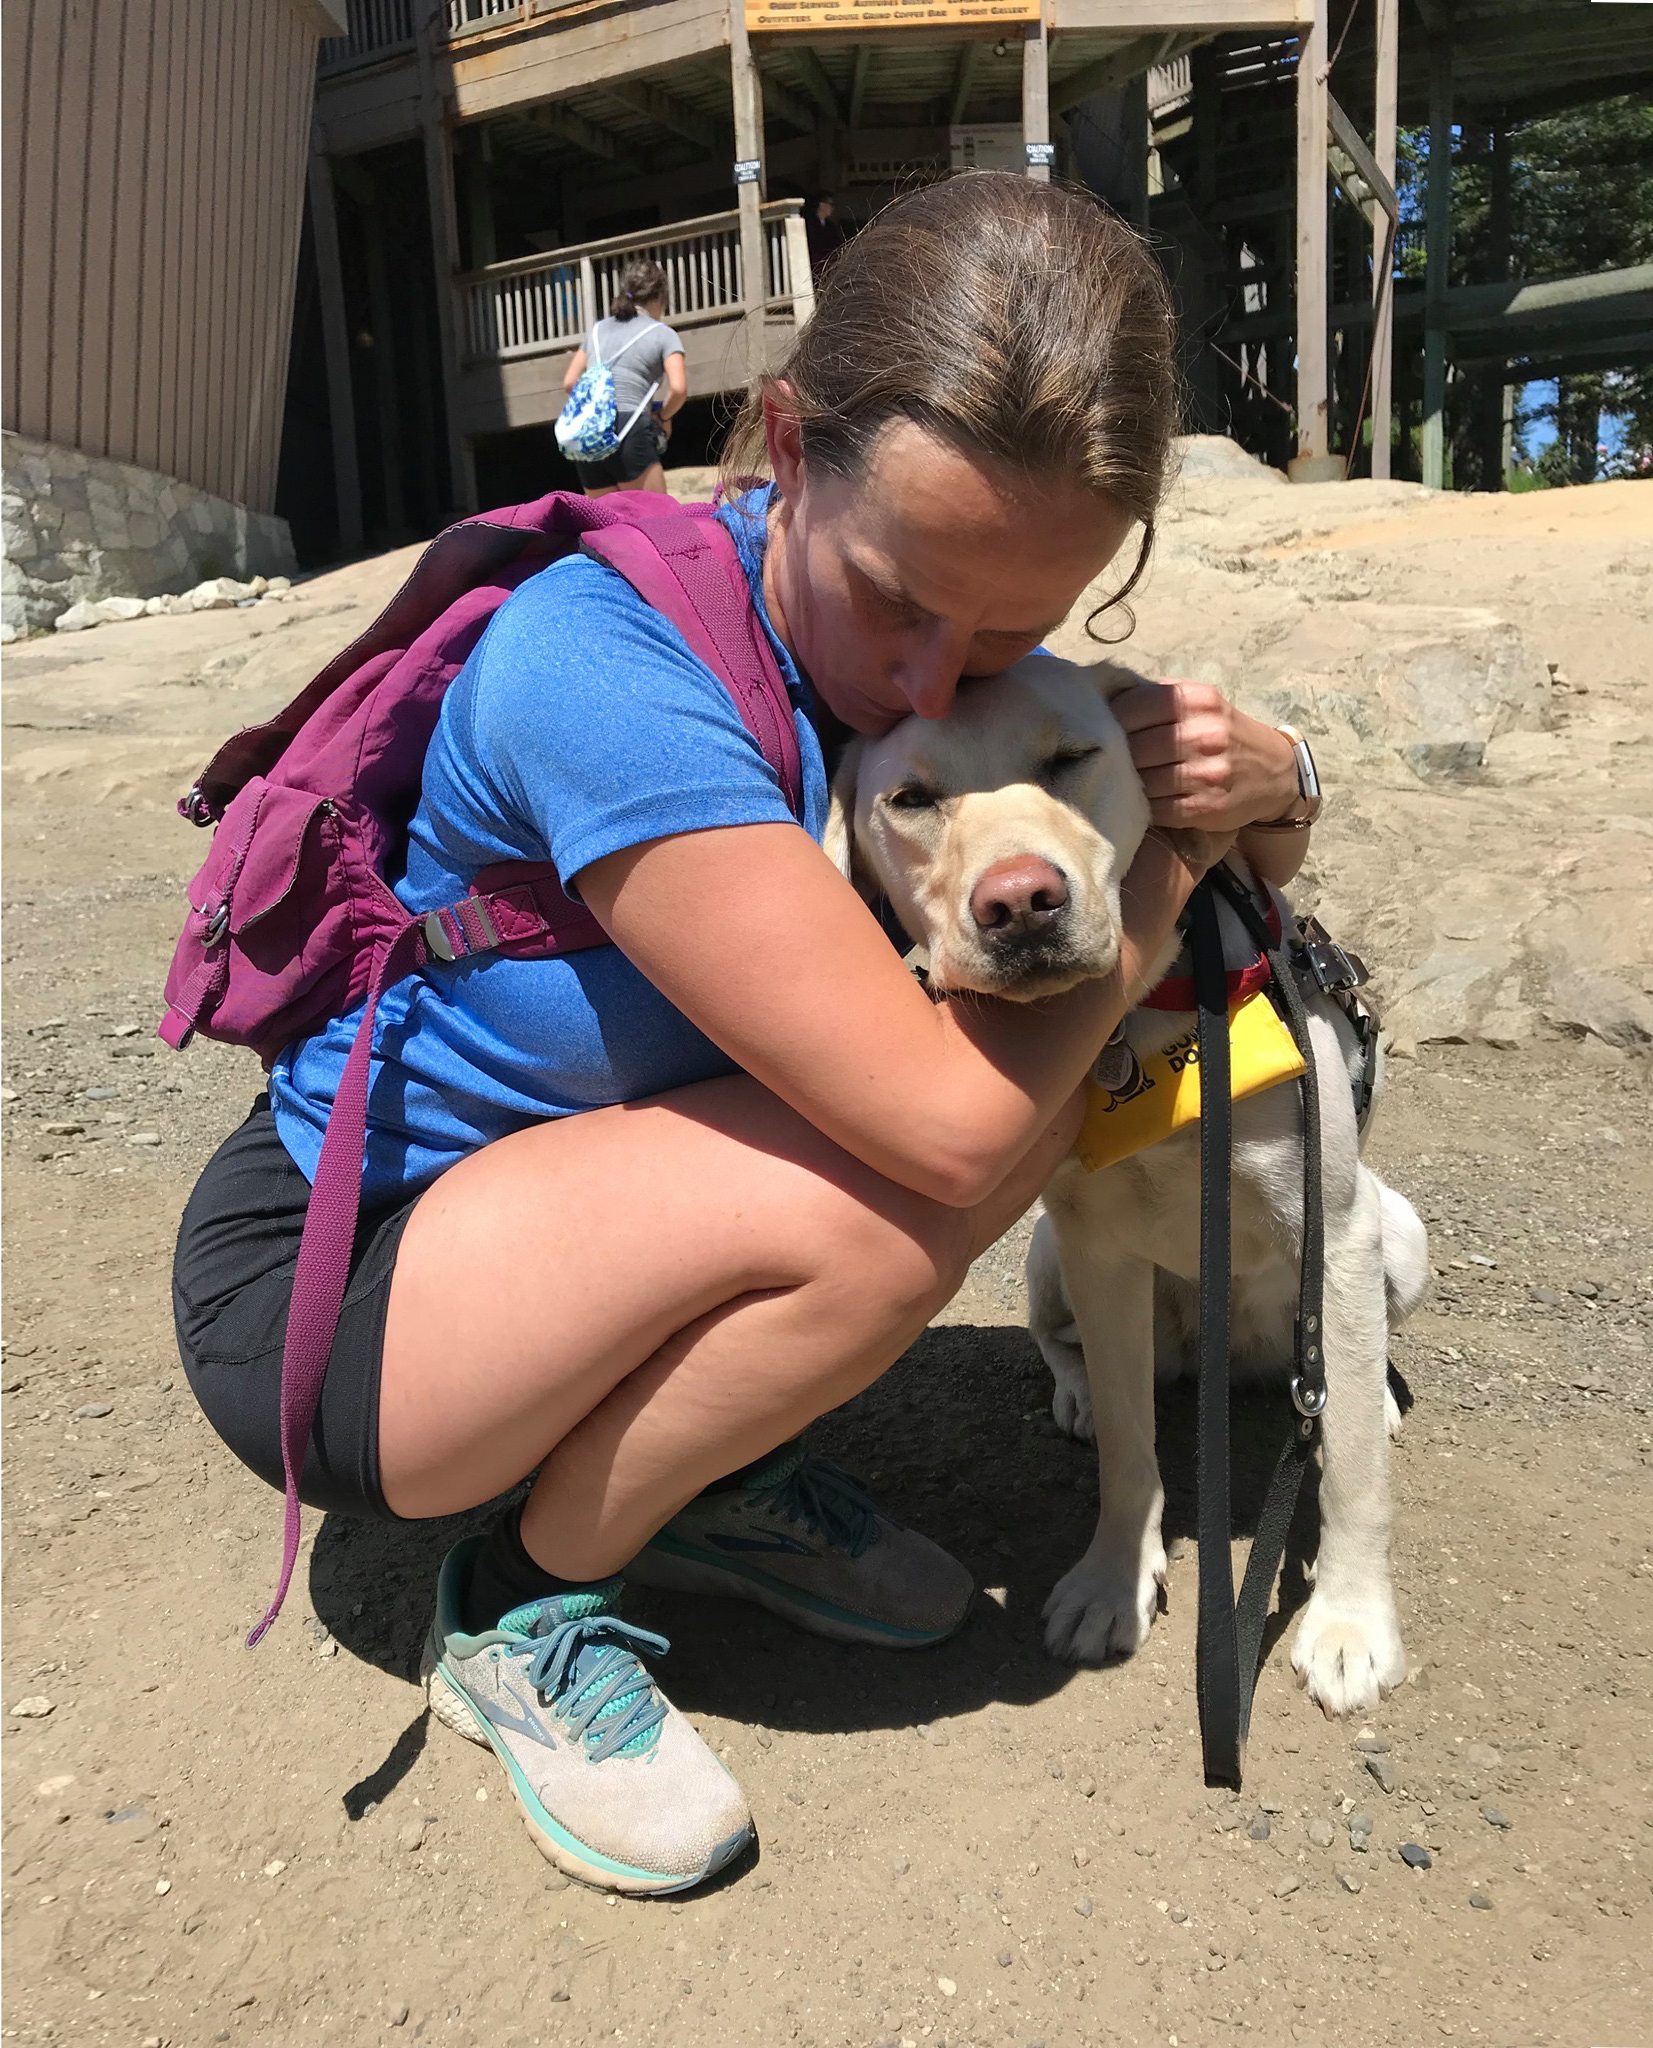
{"x": 783, "y": 433}
{"x": 838, "y": 841}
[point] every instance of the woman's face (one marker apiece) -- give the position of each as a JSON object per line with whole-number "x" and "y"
{"x": 926, "y": 568}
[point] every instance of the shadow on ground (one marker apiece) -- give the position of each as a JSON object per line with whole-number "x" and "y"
{"x": 957, "y": 1440}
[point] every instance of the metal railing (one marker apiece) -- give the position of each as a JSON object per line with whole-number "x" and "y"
{"x": 538, "y": 305}
{"x": 377, "y": 28}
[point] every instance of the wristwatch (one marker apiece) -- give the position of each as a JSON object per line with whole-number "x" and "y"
{"x": 1309, "y": 799}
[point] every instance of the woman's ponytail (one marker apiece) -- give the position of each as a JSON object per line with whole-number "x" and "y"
{"x": 642, "y": 283}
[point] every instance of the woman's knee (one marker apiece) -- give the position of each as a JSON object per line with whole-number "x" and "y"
{"x": 903, "y": 1256}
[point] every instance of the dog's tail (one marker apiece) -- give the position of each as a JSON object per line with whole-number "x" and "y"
{"x": 1405, "y": 1255}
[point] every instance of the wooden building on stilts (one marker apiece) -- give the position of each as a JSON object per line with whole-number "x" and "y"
{"x": 481, "y": 169}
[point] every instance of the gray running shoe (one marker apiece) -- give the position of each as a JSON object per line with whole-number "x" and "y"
{"x": 616, "y": 1787}
{"x": 801, "y": 1538}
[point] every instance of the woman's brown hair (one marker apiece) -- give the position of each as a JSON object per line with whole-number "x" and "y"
{"x": 1021, "y": 322}
{"x": 642, "y": 283}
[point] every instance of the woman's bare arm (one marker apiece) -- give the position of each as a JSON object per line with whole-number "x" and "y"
{"x": 677, "y": 384}
{"x": 575, "y": 371}
{"x": 1275, "y": 856}
{"x": 752, "y": 932}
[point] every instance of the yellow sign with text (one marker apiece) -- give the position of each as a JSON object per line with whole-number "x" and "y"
{"x": 851, "y": 15}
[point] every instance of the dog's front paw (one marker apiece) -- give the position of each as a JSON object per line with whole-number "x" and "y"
{"x": 1106, "y": 1605}
{"x": 1070, "y": 1400}
{"x": 1348, "y": 1655}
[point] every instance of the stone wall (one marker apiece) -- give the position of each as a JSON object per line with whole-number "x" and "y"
{"x": 81, "y": 527}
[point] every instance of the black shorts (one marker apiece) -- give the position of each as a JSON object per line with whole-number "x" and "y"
{"x": 232, "y": 1284}
{"x": 643, "y": 446}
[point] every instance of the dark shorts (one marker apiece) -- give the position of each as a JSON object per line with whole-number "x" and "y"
{"x": 232, "y": 1283}
{"x": 642, "y": 448}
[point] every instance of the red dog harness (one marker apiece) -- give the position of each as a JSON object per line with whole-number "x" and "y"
{"x": 1176, "y": 991}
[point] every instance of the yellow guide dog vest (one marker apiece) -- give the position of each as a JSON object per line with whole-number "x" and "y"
{"x": 1161, "y": 1092}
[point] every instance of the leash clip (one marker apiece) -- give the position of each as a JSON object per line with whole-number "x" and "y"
{"x": 1334, "y": 968}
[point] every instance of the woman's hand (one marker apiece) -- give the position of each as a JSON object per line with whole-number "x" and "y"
{"x": 1204, "y": 764}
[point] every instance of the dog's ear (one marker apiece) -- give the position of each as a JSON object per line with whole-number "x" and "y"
{"x": 1112, "y": 679}
{"x": 838, "y": 841}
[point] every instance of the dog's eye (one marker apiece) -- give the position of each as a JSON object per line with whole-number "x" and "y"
{"x": 912, "y": 796}
{"x": 1069, "y": 757}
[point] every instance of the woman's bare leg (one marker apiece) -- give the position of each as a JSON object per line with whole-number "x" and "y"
{"x": 639, "y": 1300}
{"x": 652, "y": 479}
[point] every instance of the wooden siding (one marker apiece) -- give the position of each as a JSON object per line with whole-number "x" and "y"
{"x": 153, "y": 195}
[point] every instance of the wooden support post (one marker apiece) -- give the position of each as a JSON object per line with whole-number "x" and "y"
{"x": 799, "y": 276}
{"x": 1313, "y": 211}
{"x": 1438, "y": 255}
{"x": 1134, "y": 131}
{"x": 335, "y": 336}
{"x": 1497, "y": 411}
{"x": 747, "y": 89}
{"x": 385, "y": 384}
{"x": 860, "y": 72}
{"x": 1206, "y": 81}
{"x": 444, "y": 248}
{"x": 590, "y": 311}
{"x": 1037, "y": 150}
{"x": 1383, "y": 285}
{"x": 479, "y": 202}
{"x": 964, "y": 77}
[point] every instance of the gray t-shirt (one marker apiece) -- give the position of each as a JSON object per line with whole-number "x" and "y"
{"x": 644, "y": 361}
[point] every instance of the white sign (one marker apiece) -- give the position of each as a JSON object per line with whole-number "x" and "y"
{"x": 994, "y": 147}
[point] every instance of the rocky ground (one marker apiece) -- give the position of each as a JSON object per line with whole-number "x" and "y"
{"x": 974, "y": 1847}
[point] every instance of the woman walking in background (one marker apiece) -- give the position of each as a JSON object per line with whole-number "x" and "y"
{"x": 643, "y": 359}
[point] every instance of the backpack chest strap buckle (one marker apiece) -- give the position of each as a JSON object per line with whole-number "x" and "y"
{"x": 460, "y": 929}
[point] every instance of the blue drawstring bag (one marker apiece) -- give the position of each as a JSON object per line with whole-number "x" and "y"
{"x": 585, "y": 427}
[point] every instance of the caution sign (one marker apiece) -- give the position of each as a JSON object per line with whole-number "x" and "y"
{"x": 850, "y": 15}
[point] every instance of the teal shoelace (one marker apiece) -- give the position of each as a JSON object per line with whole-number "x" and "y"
{"x": 588, "y": 1669}
{"x": 828, "y": 1502}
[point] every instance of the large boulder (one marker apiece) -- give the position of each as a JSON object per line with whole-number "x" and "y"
{"x": 1204, "y": 456}
{"x": 1441, "y": 686}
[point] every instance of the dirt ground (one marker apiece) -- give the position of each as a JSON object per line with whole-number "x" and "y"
{"x": 974, "y": 1847}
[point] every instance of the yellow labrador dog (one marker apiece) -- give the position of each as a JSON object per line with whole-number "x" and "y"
{"x": 1000, "y": 836}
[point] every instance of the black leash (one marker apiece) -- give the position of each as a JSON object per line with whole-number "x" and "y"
{"x": 1231, "y": 1633}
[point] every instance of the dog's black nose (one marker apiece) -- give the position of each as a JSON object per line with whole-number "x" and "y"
{"x": 1019, "y": 898}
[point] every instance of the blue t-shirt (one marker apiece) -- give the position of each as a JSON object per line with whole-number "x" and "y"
{"x": 581, "y": 724}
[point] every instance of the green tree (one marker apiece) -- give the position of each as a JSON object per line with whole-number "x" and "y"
{"x": 1579, "y": 199}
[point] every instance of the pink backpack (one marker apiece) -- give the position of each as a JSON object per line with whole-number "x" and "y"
{"x": 292, "y": 921}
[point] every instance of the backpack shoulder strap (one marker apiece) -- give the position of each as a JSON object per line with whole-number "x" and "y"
{"x": 686, "y": 565}
{"x": 644, "y": 326}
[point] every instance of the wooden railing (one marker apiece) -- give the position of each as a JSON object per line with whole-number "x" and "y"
{"x": 378, "y": 28}
{"x": 541, "y": 304}
{"x": 1169, "y": 85}
{"x": 384, "y": 28}
{"x": 465, "y": 17}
